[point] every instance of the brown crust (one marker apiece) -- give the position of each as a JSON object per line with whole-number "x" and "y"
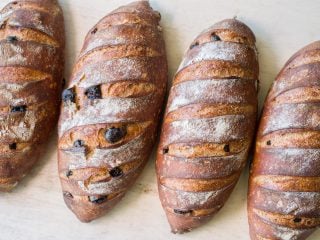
{"x": 209, "y": 124}
{"x": 31, "y": 69}
{"x": 124, "y": 55}
{"x": 284, "y": 192}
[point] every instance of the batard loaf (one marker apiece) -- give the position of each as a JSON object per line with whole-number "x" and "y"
{"x": 31, "y": 73}
{"x": 209, "y": 124}
{"x": 284, "y": 193}
{"x": 111, "y": 108}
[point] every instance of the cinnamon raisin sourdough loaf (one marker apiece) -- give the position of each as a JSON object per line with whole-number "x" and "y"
{"x": 284, "y": 192}
{"x": 111, "y": 109}
{"x": 31, "y": 73}
{"x": 209, "y": 124}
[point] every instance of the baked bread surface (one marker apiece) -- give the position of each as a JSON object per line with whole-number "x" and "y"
{"x": 31, "y": 74}
{"x": 208, "y": 125}
{"x": 284, "y": 191}
{"x": 111, "y": 109}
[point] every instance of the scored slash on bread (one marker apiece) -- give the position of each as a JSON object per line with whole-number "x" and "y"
{"x": 209, "y": 124}
{"x": 111, "y": 109}
{"x": 31, "y": 73}
{"x": 284, "y": 191}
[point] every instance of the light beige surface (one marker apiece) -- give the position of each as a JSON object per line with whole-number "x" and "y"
{"x": 35, "y": 210}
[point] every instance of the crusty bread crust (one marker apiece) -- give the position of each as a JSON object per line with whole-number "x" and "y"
{"x": 31, "y": 73}
{"x": 209, "y": 124}
{"x": 108, "y": 128}
{"x": 284, "y": 191}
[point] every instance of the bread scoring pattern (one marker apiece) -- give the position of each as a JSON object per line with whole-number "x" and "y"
{"x": 284, "y": 193}
{"x": 31, "y": 73}
{"x": 111, "y": 108}
{"x": 209, "y": 124}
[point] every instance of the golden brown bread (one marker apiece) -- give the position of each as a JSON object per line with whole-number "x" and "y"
{"x": 111, "y": 108}
{"x": 209, "y": 124}
{"x": 284, "y": 193}
{"x": 31, "y": 72}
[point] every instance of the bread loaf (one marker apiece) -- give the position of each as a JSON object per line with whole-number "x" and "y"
{"x": 209, "y": 124}
{"x": 284, "y": 194}
{"x": 31, "y": 72}
{"x": 111, "y": 108}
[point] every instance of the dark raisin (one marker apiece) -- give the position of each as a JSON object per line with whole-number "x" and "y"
{"x": 297, "y": 220}
{"x": 13, "y": 146}
{"x": 14, "y": 3}
{"x": 63, "y": 82}
{"x": 78, "y": 143}
{"x": 165, "y": 150}
{"x": 69, "y": 173}
{"x": 12, "y": 39}
{"x": 158, "y": 14}
{"x": 94, "y": 31}
{"x": 116, "y": 172}
{"x": 97, "y": 200}
{"x": 93, "y": 92}
{"x": 67, "y": 195}
{"x": 68, "y": 95}
{"x": 194, "y": 45}
{"x": 215, "y": 37}
{"x": 268, "y": 142}
{"x": 226, "y": 148}
{"x": 115, "y": 134}
{"x": 21, "y": 108}
{"x": 182, "y": 212}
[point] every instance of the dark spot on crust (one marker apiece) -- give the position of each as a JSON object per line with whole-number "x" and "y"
{"x": 67, "y": 195}
{"x": 165, "y": 150}
{"x": 63, "y": 82}
{"x": 68, "y": 95}
{"x": 21, "y": 108}
{"x": 97, "y": 200}
{"x": 215, "y": 37}
{"x": 78, "y": 144}
{"x": 69, "y": 173}
{"x": 194, "y": 45}
{"x": 12, "y": 39}
{"x": 268, "y": 142}
{"x": 93, "y": 92}
{"x": 158, "y": 14}
{"x": 232, "y": 77}
{"x": 116, "y": 172}
{"x": 94, "y": 31}
{"x": 182, "y": 212}
{"x": 297, "y": 220}
{"x": 13, "y": 146}
{"x": 226, "y": 148}
{"x": 115, "y": 134}
{"x": 14, "y": 3}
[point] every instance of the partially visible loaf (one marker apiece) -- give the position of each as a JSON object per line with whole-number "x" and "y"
{"x": 111, "y": 109}
{"x": 209, "y": 124}
{"x": 31, "y": 73}
{"x": 284, "y": 191}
